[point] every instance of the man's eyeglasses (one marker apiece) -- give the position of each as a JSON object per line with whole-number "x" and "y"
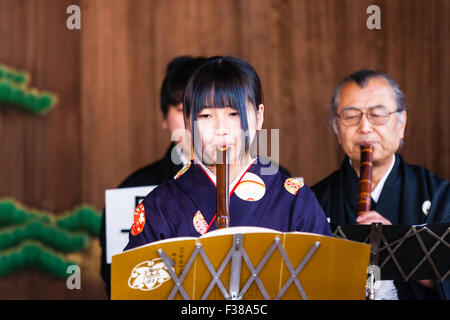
{"x": 377, "y": 116}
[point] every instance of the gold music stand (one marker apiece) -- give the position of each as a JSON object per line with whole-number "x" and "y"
{"x": 243, "y": 263}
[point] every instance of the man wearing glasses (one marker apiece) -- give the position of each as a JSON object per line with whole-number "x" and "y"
{"x": 369, "y": 107}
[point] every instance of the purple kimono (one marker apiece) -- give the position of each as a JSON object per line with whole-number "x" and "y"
{"x": 186, "y": 205}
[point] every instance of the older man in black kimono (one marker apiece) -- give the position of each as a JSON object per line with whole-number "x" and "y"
{"x": 369, "y": 107}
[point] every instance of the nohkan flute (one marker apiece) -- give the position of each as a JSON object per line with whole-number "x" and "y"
{"x": 365, "y": 179}
{"x": 222, "y": 189}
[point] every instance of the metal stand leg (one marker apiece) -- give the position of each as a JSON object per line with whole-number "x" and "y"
{"x": 371, "y": 288}
{"x": 235, "y": 276}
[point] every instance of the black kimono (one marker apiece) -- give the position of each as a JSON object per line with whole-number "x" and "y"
{"x": 411, "y": 195}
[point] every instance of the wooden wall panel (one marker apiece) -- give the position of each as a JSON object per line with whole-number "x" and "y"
{"x": 108, "y": 77}
{"x": 41, "y": 154}
{"x": 40, "y": 161}
{"x": 421, "y": 44}
{"x": 116, "y": 93}
{"x": 196, "y": 28}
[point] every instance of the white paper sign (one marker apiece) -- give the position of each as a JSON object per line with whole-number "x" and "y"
{"x": 119, "y": 212}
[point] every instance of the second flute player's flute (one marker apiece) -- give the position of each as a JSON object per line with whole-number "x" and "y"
{"x": 365, "y": 179}
{"x": 222, "y": 189}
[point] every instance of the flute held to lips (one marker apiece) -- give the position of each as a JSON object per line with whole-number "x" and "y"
{"x": 223, "y": 183}
{"x": 365, "y": 178}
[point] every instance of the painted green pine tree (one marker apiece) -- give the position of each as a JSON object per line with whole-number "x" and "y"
{"x": 14, "y": 92}
{"x": 31, "y": 239}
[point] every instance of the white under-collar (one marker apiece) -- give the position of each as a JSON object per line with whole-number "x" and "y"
{"x": 235, "y": 181}
{"x": 375, "y": 194}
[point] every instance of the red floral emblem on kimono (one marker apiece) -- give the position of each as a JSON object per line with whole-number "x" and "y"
{"x": 292, "y": 185}
{"x": 200, "y": 223}
{"x": 139, "y": 220}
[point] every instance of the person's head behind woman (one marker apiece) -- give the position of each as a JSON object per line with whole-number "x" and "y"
{"x": 223, "y": 106}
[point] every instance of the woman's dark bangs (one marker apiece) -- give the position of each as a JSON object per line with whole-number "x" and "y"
{"x": 220, "y": 89}
{"x": 223, "y": 82}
